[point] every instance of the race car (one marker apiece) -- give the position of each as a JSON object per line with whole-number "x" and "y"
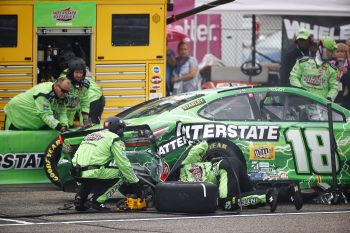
{"x": 282, "y": 134}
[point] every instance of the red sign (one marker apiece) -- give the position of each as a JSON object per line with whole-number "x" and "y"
{"x": 200, "y": 29}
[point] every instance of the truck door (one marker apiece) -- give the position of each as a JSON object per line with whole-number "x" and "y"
{"x": 16, "y": 52}
{"x": 130, "y": 54}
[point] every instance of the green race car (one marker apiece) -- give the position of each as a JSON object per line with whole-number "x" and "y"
{"x": 281, "y": 134}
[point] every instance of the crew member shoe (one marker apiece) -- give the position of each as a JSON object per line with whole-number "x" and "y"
{"x": 79, "y": 204}
{"x": 296, "y": 197}
{"x": 97, "y": 206}
{"x": 231, "y": 204}
{"x": 271, "y": 199}
{"x": 297, "y": 200}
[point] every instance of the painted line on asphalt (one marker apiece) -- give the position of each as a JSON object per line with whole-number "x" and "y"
{"x": 170, "y": 218}
{"x": 13, "y": 220}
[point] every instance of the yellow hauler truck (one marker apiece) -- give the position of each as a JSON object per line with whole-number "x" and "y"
{"x": 122, "y": 41}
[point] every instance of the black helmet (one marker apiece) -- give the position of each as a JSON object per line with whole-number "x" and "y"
{"x": 115, "y": 125}
{"x": 77, "y": 63}
{"x": 74, "y": 64}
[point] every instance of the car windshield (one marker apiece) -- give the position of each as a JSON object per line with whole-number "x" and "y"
{"x": 161, "y": 105}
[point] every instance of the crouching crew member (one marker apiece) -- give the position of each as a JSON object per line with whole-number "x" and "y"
{"x": 96, "y": 176}
{"x": 231, "y": 177}
{"x": 41, "y": 107}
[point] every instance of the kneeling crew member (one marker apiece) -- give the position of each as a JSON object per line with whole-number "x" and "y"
{"x": 231, "y": 177}
{"x": 94, "y": 155}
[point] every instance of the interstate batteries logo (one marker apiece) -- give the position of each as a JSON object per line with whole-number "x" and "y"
{"x": 185, "y": 133}
{"x": 64, "y": 15}
{"x": 21, "y": 161}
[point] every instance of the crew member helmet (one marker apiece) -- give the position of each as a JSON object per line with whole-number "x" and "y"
{"x": 76, "y": 63}
{"x": 115, "y": 125}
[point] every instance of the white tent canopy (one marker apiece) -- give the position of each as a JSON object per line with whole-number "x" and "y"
{"x": 283, "y": 7}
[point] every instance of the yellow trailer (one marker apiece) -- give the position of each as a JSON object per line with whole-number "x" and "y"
{"x": 122, "y": 41}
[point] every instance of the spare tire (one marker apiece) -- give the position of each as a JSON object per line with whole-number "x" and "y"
{"x": 186, "y": 197}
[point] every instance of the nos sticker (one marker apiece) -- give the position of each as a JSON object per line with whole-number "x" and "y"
{"x": 262, "y": 152}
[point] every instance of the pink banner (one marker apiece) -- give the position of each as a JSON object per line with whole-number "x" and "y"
{"x": 206, "y": 32}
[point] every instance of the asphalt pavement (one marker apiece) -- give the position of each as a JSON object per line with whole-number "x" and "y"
{"x": 40, "y": 208}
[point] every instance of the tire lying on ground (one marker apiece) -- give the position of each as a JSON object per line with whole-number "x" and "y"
{"x": 51, "y": 158}
{"x": 186, "y": 197}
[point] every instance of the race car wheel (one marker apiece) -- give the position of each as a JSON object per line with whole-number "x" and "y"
{"x": 220, "y": 149}
{"x": 52, "y": 156}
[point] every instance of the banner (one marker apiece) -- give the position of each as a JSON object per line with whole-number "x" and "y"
{"x": 335, "y": 27}
{"x": 203, "y": 30}
{"x": 65, "y": 14}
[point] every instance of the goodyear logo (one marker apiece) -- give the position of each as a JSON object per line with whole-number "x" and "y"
{"x": 262, "y": 152}
{"x": 21, "y": 161}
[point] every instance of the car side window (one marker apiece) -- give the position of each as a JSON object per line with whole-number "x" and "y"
{"x": 229, "y": 108}
{"x": 275, "y": 106}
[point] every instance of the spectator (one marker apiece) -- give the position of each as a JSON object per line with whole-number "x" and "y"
{"x": 320, "y": 77}
{"x": 303, "y": 40}
{"x": 170, "y": 64}
{"x": 342, "y": 62}
{"x": 41, "y": 107}
{"x": 185, "y": 75}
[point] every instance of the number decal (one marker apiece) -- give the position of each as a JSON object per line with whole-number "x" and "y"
{"x": 311, "y": 150}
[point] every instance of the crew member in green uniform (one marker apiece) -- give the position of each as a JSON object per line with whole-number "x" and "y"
{"x": 231, "y": 177}
{"x": 318, "y": 77}
{"x": 94, "y": 157}
{"x": 96, "y": 99}
{"x": 41, "y": 107}
{"x": 95, "y": 96}
{"x": 78, "y": 99}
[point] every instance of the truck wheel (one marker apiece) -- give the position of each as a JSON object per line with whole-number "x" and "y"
{"x": 52, "y": 156}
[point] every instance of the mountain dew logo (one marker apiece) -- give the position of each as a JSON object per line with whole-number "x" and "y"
{"x": 64, "y": 15}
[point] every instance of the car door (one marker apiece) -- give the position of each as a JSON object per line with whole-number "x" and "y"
{"x": 304, "y": 150}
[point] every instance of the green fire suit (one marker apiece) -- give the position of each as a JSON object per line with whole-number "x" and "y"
{"x": 92, "y": 94}
{"x": 220, "y": 173}
{"x": 37, "y": 108}
{"x": 318, "y": 79}
{"x": 78, "y": 100}
{"x": 97, "y": 155}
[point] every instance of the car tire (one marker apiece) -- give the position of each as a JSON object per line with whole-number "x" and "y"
{"x": 186, "y": 197}
{"x": 221, "y": 149}
{"x": 51, "y": 158}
